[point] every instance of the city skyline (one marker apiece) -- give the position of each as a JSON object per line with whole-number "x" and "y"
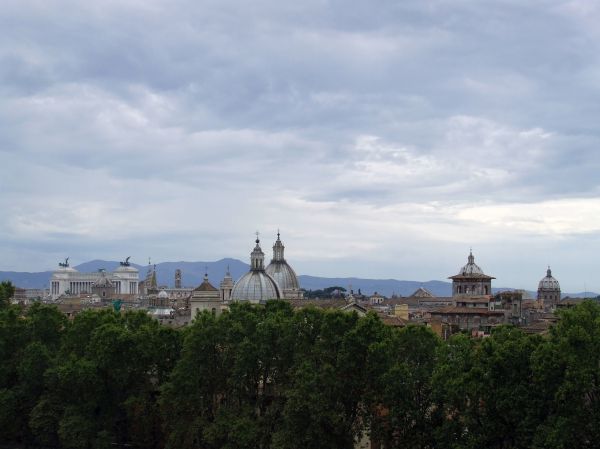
{"x": 384, "y": 142}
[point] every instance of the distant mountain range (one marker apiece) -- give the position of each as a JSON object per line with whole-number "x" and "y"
{"x": 193, "y": 273}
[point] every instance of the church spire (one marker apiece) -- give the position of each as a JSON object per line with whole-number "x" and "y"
{"x": 153, "y": 282}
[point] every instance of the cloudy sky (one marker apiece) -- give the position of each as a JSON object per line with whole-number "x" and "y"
{"x": 383, "y": 138}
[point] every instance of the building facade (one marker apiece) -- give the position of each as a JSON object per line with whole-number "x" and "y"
{"x": 68, "y": 281}
{"x": 471, "y": 280}
{"x": 206, "y": 297}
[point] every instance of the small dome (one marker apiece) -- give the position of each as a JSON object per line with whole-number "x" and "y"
{"x": 548, "y": 282}
{"x": 163, "y": 295}
{"x": 255, "y": 286}
{"x": 471, "y": 268}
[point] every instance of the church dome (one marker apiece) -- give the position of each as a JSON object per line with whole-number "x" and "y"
{"x": 256, "y": 285}
{"x": 548, "y": 282}
{"x": 163, "y": 295}
{"x": 283, "y": 274}
{"x": 280, "y": 270}
{"x": 471, "y": 268}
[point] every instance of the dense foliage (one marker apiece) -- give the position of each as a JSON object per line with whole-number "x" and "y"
{"x": 7, "y": 290}
{"x": 269, "y": 377}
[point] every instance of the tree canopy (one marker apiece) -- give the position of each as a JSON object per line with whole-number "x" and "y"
{"x": 7, "y": 290}
{"x": 271, "y": 377}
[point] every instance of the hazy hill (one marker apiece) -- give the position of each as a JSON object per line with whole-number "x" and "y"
{"x": 193, "y": 273}
{"x": 27, "y": 280}
{"x": 386, "y": 287}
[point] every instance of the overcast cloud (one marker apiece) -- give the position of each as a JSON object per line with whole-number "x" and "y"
{"x": 383, "y": 138}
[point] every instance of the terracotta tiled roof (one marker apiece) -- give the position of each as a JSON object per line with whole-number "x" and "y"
{"x": 422, "y": 292}
{"x": 391, "y": 320}
{"x": 321, "y": 303}
{"x": 205, "y": 287}
{"x": 537, "y": 327}
{"x": 453, "y": 310}
{"x": 473, "y": 299}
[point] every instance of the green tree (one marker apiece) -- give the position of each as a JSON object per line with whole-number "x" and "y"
{"x": 401, "y": 400}
{"x": 486, "y": 392}
{"x": 7, "y": 291}
{"x": 229, "y": 375}
{"x": 567, "y": 370}
{"x": 107, "y": 375}
{"x": 324, "y": 399}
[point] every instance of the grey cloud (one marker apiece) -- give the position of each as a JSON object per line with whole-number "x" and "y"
{"x": 154, "y": 110}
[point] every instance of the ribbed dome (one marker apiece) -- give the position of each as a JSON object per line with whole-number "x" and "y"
{"x": 163, "y": 294}
{"x": 256, "y": 285}
{"x": 283, "y": 274}
{"x": 278, "y": 269}
{"x": 548, "y": 282}
{"x": 471, "y": 268}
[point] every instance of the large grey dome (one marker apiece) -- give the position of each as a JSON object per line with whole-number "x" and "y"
{"x": 283, "y": 274}
{"x": 256, "y": 285}
{"x": 280, "y": 270}
{"x": 548, "y": 282}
